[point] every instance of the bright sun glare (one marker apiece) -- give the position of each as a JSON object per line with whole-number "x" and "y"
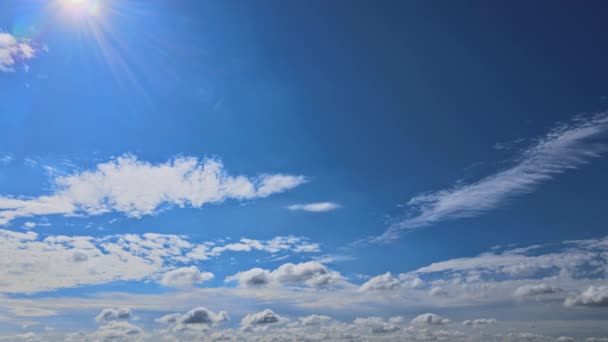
{"x": 81, "y": 7}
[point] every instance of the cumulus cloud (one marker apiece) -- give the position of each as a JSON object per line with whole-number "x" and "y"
{"x": 381, "y": 282}
{"x": 107, "y": 315}
{"x": 264, "y": 317}
{"x": 314, "y": 320}
{"x": 438, "y": 291}
{"x": 185, "y": 277}
{"x": 376, "y": 325}
{"x": 14, "y": 51}
{"x": 32, "y": 263}
{"x": 388, "y": 282}
{"x": 137, "y": 188}
{"x": 430, "y": 319}
{"x": 266, "y": 326}
{"x": 314, "y": 207}
{"x": 310, "y": 273}
{"x": 113, "y": 331}
{"x": 594, "y": 296}
{"x": 536, "y": 290}
{"x": 565, "y": 147}
{"x": 200, "y": 315}
{"x": 253, "y": 277}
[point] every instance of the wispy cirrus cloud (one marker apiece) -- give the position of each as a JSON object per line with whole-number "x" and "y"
{"x": 136, "y": 188}
{"x": 315, "y": 207}
{"x": 14, "y": 51}
{"x": 565, "y": 147}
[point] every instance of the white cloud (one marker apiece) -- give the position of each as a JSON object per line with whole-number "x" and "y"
{"x": 536, "y": 290}
{"x": 315, "y": 207}
{"x": 185, "y": 277}
{"x": 565, "y": 147}
{"x": 265, "y": 317}
{"x": 121, "y": 314}
{"x": 376, "y": 325}
{"x": 438, "y": 291}
{"x": 137, "y": 188}
{"x": 14, "y": 51}
{"x": 30, "y": 263}
{"x": 199, "y": 315}
{"x": 429, "y": 319}
{"x": 594, "y": 296}
{"x": 30, "y": 225}
{"x": 314, "y": 320}
{"x": 6, "y": 159}
{"x": 310, "y": 273}
{"x": 381, "y": 282}
{"x": 113, "y": 331}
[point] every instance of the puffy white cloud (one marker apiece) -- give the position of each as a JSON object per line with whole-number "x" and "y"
{"x": 30, "y": 263}
{"x": 314, "y": 320}
{"x": 315, "y": 207}
{"x": 115, "y": 331}
{"x": 594, "y": 296}
{"x": 536, "y": 290}
{"x": 107, "y": 315}
{"x": 185, "y": 277}
{"x": 253, "y": 277}
{"x": 565, "y": 147}
{"x": 381, "y": 282}
{"x": 137, "y": 188}
{"x": 311, "y": 273}
{"x": 14, "y": 51}
{"x": 200, "y": 315}
{"x": 376, "y": 325}
{"x": 264, "y": 317}
{"x": 430, "y": 319}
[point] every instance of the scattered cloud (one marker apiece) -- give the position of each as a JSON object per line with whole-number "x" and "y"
{"x": 185, "y": 277}
{"x": 107, "y": 315}
{"x": 14, "y": 51}
{"x": 536, "y": 290}
{"x": 31, "y": 263}
{"x": 381, "y": 282}
{"x": 6, "y": 159}
{"x": 565, "y": 147}
{"x": 200, "y": 315}
{"x": 315, "y": 207}
{"x": 594, "y": 296}
{"x": 430, "y": 319}
{"x": 137, "y": 188}
{"x": 311, "y": 273}
{"x": 113, "y": 331}
{"x": 264, "y": 317}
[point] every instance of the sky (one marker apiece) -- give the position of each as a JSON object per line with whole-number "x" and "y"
{"x": 305, "y": 170}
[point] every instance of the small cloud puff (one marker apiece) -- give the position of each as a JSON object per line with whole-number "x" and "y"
{"x": 315, "y": 207}
{"x": 185, "y": 277}
{"x": 264, "y": 317}
{"x": 107, "y": 315}
{"x": 311, "y": 273}
{"x": 199, "y": 315}
{"x": 430, "y": 319}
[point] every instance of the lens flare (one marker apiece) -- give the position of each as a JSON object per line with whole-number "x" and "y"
{"x": 81, "y": 7}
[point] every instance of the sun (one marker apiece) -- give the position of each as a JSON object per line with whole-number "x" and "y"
{"x": 81, "y": 8}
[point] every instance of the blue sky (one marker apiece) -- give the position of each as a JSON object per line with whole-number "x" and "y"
{"x": 391, "y": 171}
